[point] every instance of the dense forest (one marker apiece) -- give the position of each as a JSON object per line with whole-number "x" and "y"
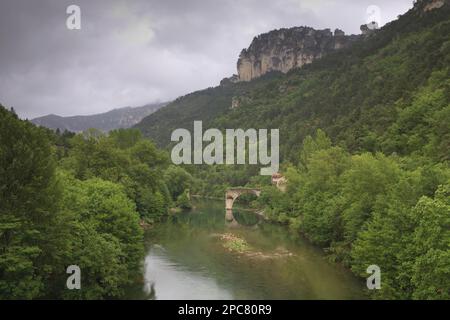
{"x": 78, "y": 199}
{"x": 370, "y": 208}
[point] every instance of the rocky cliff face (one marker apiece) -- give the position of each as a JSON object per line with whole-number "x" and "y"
{"x": 285, "y": 49}
{"x": 429, "y": 5}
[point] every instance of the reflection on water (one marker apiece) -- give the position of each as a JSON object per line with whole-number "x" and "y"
{"x": 174, "y": 281}
{"x": 240, "y": 218}
{"x": 186, "y": 260}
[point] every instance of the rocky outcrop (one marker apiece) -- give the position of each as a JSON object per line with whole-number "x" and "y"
{"x": 235, "y": 102}
{"x": 434, "y": 5}
{"x": 429, "y": 5}
{"x": 238, "y": 101}
{"x": 286, "y": 49}
{"x": 368, "y": 29}
{"x": 227, "y": 81}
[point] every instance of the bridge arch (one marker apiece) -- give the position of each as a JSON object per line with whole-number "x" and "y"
{"x": 232, "y": 194}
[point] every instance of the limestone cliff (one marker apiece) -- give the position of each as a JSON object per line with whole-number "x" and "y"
{"x": 429, "y": 5}
{"x": 285, "y": 49}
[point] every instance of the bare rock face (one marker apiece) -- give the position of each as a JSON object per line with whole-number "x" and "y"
{"x": 370, "y": 28}
{"x": 434, "y": 5}
{"x": 235, "y": 102}
{"x": 425, "y": 6}
{"x": 238, "y": 101}
{"x": 285, "y": 49}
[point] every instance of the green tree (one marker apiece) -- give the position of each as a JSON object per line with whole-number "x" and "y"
{"x": 108, "y": 242}
{"x": 177, "y": 180}
{"x": 184, "y": 200}
{"x": 29, "y": 224}
{"x": 431, "y": 246}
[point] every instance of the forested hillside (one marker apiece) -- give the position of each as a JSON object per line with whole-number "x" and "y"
{"x": 365, "y": 98}
{"x": 373, "y": 97}
{"x": 365, "y": 148}
{"x": 206, "y": 105}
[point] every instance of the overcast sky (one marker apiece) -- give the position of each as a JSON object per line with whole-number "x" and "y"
{"x": 129, "y": 53}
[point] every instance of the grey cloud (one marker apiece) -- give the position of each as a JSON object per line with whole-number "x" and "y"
{"x": 135, "y": 52}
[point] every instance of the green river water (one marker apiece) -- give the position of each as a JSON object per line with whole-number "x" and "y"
{"x": 186, "y": 260}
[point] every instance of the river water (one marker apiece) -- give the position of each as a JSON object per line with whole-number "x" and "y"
{"x": 186, "y": 259}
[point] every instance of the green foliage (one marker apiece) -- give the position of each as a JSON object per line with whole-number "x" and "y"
{"x": 151, "y": 205}
{"x": 431, "y": 246}
{"x": 372, "y": 209}
{"x": 123, "y": 157}
{"x": 184, "y": 200}
{"x": 365, "y": 185}
{"x": 84, "y": 214}
{"x": 205, "y": 105}
{"x": 28, "y": 208}
{"x": 177, "y": 180}
{"x": 108, "y": 242}
{"x": 277, "y": 204}
{"x": 235, "y": 244}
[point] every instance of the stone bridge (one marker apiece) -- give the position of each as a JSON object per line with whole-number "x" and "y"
{"x": 232, "y": 194}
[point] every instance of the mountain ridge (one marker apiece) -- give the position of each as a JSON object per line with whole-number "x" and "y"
{"x": 113, "y": 119}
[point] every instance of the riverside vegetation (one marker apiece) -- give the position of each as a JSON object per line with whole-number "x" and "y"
{"x": 364, "y": 145}
{"x": 78, "y": 199}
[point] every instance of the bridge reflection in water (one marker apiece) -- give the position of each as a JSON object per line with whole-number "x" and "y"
{"x": 230, "y": 220}
{"x": 230, "y": 196}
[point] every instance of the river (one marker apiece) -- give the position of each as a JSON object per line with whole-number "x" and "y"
{"x": 186, "y": 259}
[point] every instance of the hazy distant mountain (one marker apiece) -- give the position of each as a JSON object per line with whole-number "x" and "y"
{"x": 114, "y": 119}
